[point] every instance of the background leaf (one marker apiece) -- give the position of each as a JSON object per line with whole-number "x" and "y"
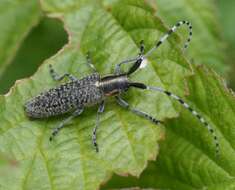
{"x": 207, "y": 46}
{"x": 134, "y": 188}
{"x": 16, "y": 19}
{"x": 41, "y": 43}
{"x": 126, "y": 141}
{"x": 227, "y": 16}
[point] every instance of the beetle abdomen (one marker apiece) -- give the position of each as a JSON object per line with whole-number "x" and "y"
{"x": 53, "y": 102}
{"x": 65, "y": 98}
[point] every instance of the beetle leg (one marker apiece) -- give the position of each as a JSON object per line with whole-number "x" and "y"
{"x": 63, "y": 123}
{"x": 56, "y": 77}
{"x": 100, "y": 110}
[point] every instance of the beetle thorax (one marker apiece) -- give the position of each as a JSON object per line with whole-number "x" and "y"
{"x": 114, "y": 84}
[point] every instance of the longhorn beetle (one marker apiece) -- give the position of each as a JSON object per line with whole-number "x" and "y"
{"x": 74, "y": 96}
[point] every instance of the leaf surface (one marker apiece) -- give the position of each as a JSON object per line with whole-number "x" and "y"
{"x": 16, "y": 19}
{"x": 36, "y": 47}
{"x": 111, "y": 32}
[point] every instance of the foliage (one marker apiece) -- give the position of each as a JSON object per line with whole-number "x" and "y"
{"x": 17, "y": 18}
{"x": 42, "y": 42}
{"x": 112, "y": 30}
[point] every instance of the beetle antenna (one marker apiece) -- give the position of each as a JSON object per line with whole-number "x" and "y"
{"x": 185, "y": 105}
{"x": 171, "y": 31}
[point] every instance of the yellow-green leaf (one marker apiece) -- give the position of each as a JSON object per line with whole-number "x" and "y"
{"x": 186, "y": 160}
{"x": 16, "y": 19}
{"x": 126, "y": 141}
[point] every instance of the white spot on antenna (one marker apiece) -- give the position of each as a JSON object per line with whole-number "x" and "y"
{"x": 186, "y": 105}
{"x": 174, "y": 96}
{"x": 174, "y": 28}
{"x": 202, "y": 120}
{"x": 194, "y": 112}
{"x": 144, "y": 63}
{"x": 164, "y": 38}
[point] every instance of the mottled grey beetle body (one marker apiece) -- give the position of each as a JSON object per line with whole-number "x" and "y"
{"x": 79, "y": 93}
{"x": 66, "y": 98}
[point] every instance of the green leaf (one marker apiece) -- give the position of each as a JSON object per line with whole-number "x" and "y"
{"x": 227, "y": 16}
{"x": 8, "y": 168}
{"x": 186, "y": 160}
{"x": 226, "y": 20}
{"x": 134, "y": 188}
{"x": 37, "y": 46}
{"x": 16, "y": 19}
{"x": 111, "y": 30}
{"x": 206, "y": 46}
{"x": 126, "y": 141}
